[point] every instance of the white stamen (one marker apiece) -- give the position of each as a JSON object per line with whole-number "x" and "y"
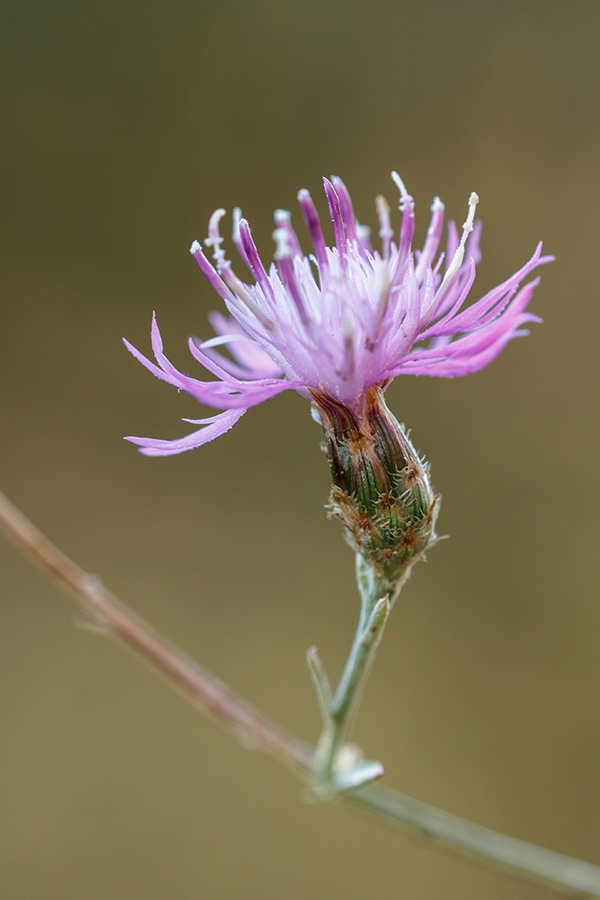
{"x": 473, "y": 201}
{"x": 215, "y": 240}
{"x": 385, "y": 229}
{"x": 237, "y": 217}
{"x": 224, "y": 269}
{"x": 282, "y": 217}
{"x": 400, "y": 185}
{"x": 458, "y": 257}
{"x": 221, "y": 339}
{"x": 282, "y": 244}
{"x": 382, "y": 270}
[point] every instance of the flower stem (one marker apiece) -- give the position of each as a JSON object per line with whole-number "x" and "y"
{"x": 338, "y": 765}
{"x": 568, "y": 876}
{"x": 340, "y": 711}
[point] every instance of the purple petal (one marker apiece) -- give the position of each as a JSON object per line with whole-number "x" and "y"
{"x": 343, "y": 321}
{"x": 147, "y": 364}
{"x": 434, "y": 235}
{"x": 346, "y": 208}
{"x": 337, "y": 220}
{"x": 210, "y": 273}
{"x": 311, "y": 217}
{"x": 247, "y": 248}
{"x": 219, "y": 425}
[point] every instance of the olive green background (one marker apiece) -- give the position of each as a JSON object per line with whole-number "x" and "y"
{"x": 124, "y": 125}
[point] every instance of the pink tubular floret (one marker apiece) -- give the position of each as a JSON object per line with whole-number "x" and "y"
{"x": 343, "y": 320}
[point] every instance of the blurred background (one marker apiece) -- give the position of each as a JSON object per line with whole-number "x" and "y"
{"x": 125, "y": 124}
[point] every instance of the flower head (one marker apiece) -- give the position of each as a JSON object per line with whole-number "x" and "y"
{"x": 343, "y": 320}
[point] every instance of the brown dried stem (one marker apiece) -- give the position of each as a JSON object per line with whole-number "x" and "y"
{"x": 112, "y": 617}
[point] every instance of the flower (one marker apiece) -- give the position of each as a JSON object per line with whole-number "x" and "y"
{"x": 344, "y": 319}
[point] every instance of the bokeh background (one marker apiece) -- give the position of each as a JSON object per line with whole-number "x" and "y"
{"x": 124, "y": 125}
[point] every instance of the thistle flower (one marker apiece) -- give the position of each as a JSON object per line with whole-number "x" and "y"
{"x": 343, "y": 320}
{"x": 337, "y": 326}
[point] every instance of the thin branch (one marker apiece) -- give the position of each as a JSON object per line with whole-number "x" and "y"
{"x": 569, "y": 876}
{"x": 112, "y": 617}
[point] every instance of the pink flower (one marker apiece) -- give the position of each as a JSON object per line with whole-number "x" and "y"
{"x": 343, "y": 319}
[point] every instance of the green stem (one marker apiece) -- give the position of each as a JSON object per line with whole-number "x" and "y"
{"x": 569, "y": 876}
{"x": 339, "y": 711}
{"x": 564, "y": 874}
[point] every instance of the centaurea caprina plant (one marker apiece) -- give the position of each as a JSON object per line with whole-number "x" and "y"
{"x": 338, "y": 326}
